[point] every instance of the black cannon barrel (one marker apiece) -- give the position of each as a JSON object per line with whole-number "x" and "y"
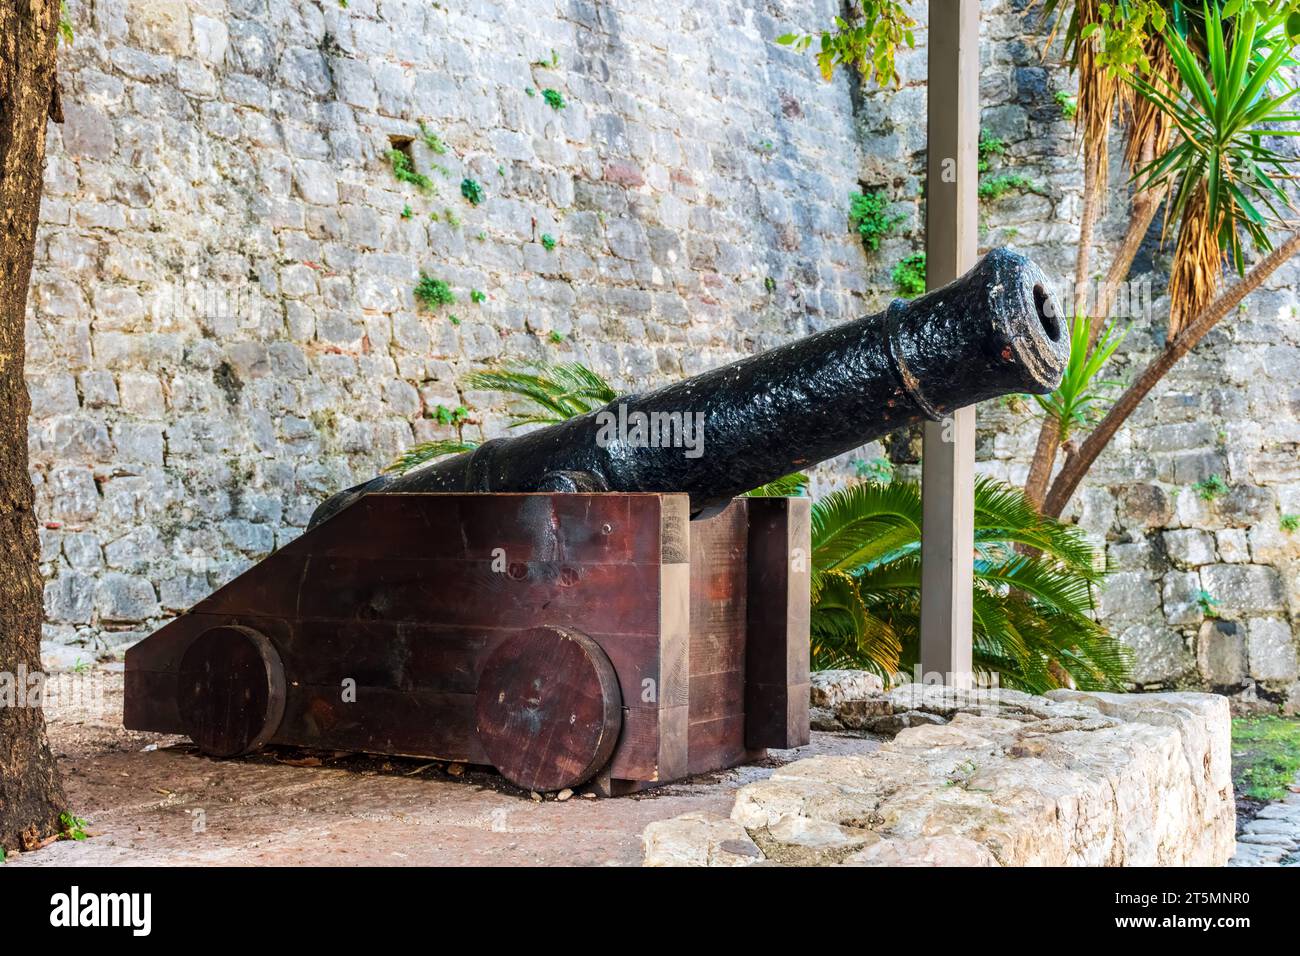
{"x": 995, "y": 331}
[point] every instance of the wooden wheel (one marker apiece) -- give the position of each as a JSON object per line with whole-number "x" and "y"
{"x": 230, "y": 691}
{"x": 548, "y": 708}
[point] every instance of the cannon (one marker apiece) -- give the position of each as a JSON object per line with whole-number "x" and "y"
{"x": 593, "y": 601}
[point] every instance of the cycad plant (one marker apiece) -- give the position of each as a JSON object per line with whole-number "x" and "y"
{"x": 1032, "y": 609}
{"x": 550, "y": 393}
{"x": 1032, "y": 606}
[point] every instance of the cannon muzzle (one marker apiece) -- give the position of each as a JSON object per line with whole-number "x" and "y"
{"x": 995, "y": 331}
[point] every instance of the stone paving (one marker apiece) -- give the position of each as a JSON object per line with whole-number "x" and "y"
{"x": 1272, "y": 836}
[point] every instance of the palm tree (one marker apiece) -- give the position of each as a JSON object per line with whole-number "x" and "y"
{"x": 1032, "y": 609}
{"x": 1222, "y": 180}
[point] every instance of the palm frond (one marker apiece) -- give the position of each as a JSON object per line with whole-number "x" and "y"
{"x": 788, "y": 486}
{"x": 417, "y": 455}
{"x": 552, "y": 393}
{"x": 1031, "y": 611}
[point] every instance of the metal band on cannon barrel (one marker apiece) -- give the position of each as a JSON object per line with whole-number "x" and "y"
{"x": 995, "y": 331}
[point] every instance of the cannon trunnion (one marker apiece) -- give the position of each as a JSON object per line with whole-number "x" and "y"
{"x": 561, "y": 638}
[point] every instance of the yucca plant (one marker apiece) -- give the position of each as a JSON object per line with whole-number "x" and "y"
{"x": 1222, "y": 178}
{"x": 1082, "y": 397}
{"x": 1031, "y": 609}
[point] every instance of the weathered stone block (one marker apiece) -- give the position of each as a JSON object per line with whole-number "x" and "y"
{"x": 1233, "y": 545}
{"x": 1128, "y": 597}
{"x": 161, "y": 25}
{"x": 830, "y": 688}
{"x": 1271, "y": 649}
{"x": 1093, "y": 780}
{"x": 69, "y": 598}
{"x": 1160, "y": 655}
{"x": 1190, "y": 547}
{"x": 125, "y": 598}
{"x": 1221, "y": 653}
{"x": 1244, "y": 588}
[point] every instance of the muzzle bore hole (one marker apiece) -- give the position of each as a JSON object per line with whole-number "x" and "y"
{"x": 1046, "y": 310}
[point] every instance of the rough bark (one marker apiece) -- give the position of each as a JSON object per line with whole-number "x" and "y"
{"x": 1077, "y": 465}
{"x": 1049, "y": 433}
{"x": 31, "y": 797}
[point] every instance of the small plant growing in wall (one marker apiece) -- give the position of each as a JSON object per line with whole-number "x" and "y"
{"x": 404, "y": 172}
{"x": 994, "y": 188}
{"x": 477, "y": 296}
{"x": 1211, "y": 488}
{"x": 450, "y": 217}
{"x": 472, "y": 190}
{"x": 1208, "y": 604}
{"x": 450, "y": 416}
{"x": 1290, "y": 523}
{"x": 548, "y": 242}
{"x": 879, "y": 470}
{"x": 65, "y": 31}
{"x": 1069, "y": 106}
{"x": 909, "y": 276}
{"x": 989, "y": 146}
{"x": 407, "y": 212}
{"x": 556, "y": 337}
{"x": 554, "y": 99}
{"x": 431, "y": 292}
{"x": 867, "y": 213}
{"x": 432, "y": 140}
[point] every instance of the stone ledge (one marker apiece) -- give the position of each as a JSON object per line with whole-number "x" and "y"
{"x": 1070, "y": 779}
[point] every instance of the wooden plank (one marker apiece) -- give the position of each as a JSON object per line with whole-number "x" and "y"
{"x": 948, "y": 447}
{"x": 717, "y": 684}
{"x": 653, "y": 745}
{"x": 779, "y": 545}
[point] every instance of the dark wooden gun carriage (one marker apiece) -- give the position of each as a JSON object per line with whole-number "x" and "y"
{"x": 558, "y": 637}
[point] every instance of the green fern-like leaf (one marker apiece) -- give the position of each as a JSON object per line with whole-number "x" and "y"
{"x": 788, "y": 486}
{"x": 427, "y": 451}
{"x": 552, "y": 393}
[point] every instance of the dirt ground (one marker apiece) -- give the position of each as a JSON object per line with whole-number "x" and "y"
{"x": 152, "y": 800}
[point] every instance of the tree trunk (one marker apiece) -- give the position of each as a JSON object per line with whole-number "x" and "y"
{"x": 1049, "y": 434}
{"x": 1142, "y": 211}
{"x": 31, "y": 797}
{"x": 1040, "y": 469}
{"x": 1077, "y": 465}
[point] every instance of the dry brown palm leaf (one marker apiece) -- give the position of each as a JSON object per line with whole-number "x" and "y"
{"x": 1197, "y": 263}
{"x": 1098, "y": 92}
{"x": 1148, "y": 127}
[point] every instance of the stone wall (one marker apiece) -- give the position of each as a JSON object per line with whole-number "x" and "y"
{"x": 223, "y": 329}
{"x": 995, "y": 778}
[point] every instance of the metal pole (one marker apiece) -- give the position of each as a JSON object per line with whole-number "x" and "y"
{"x": 951, "y": 241}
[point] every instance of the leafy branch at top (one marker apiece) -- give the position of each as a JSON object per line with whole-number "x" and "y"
{"x": 867, "y": 40}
